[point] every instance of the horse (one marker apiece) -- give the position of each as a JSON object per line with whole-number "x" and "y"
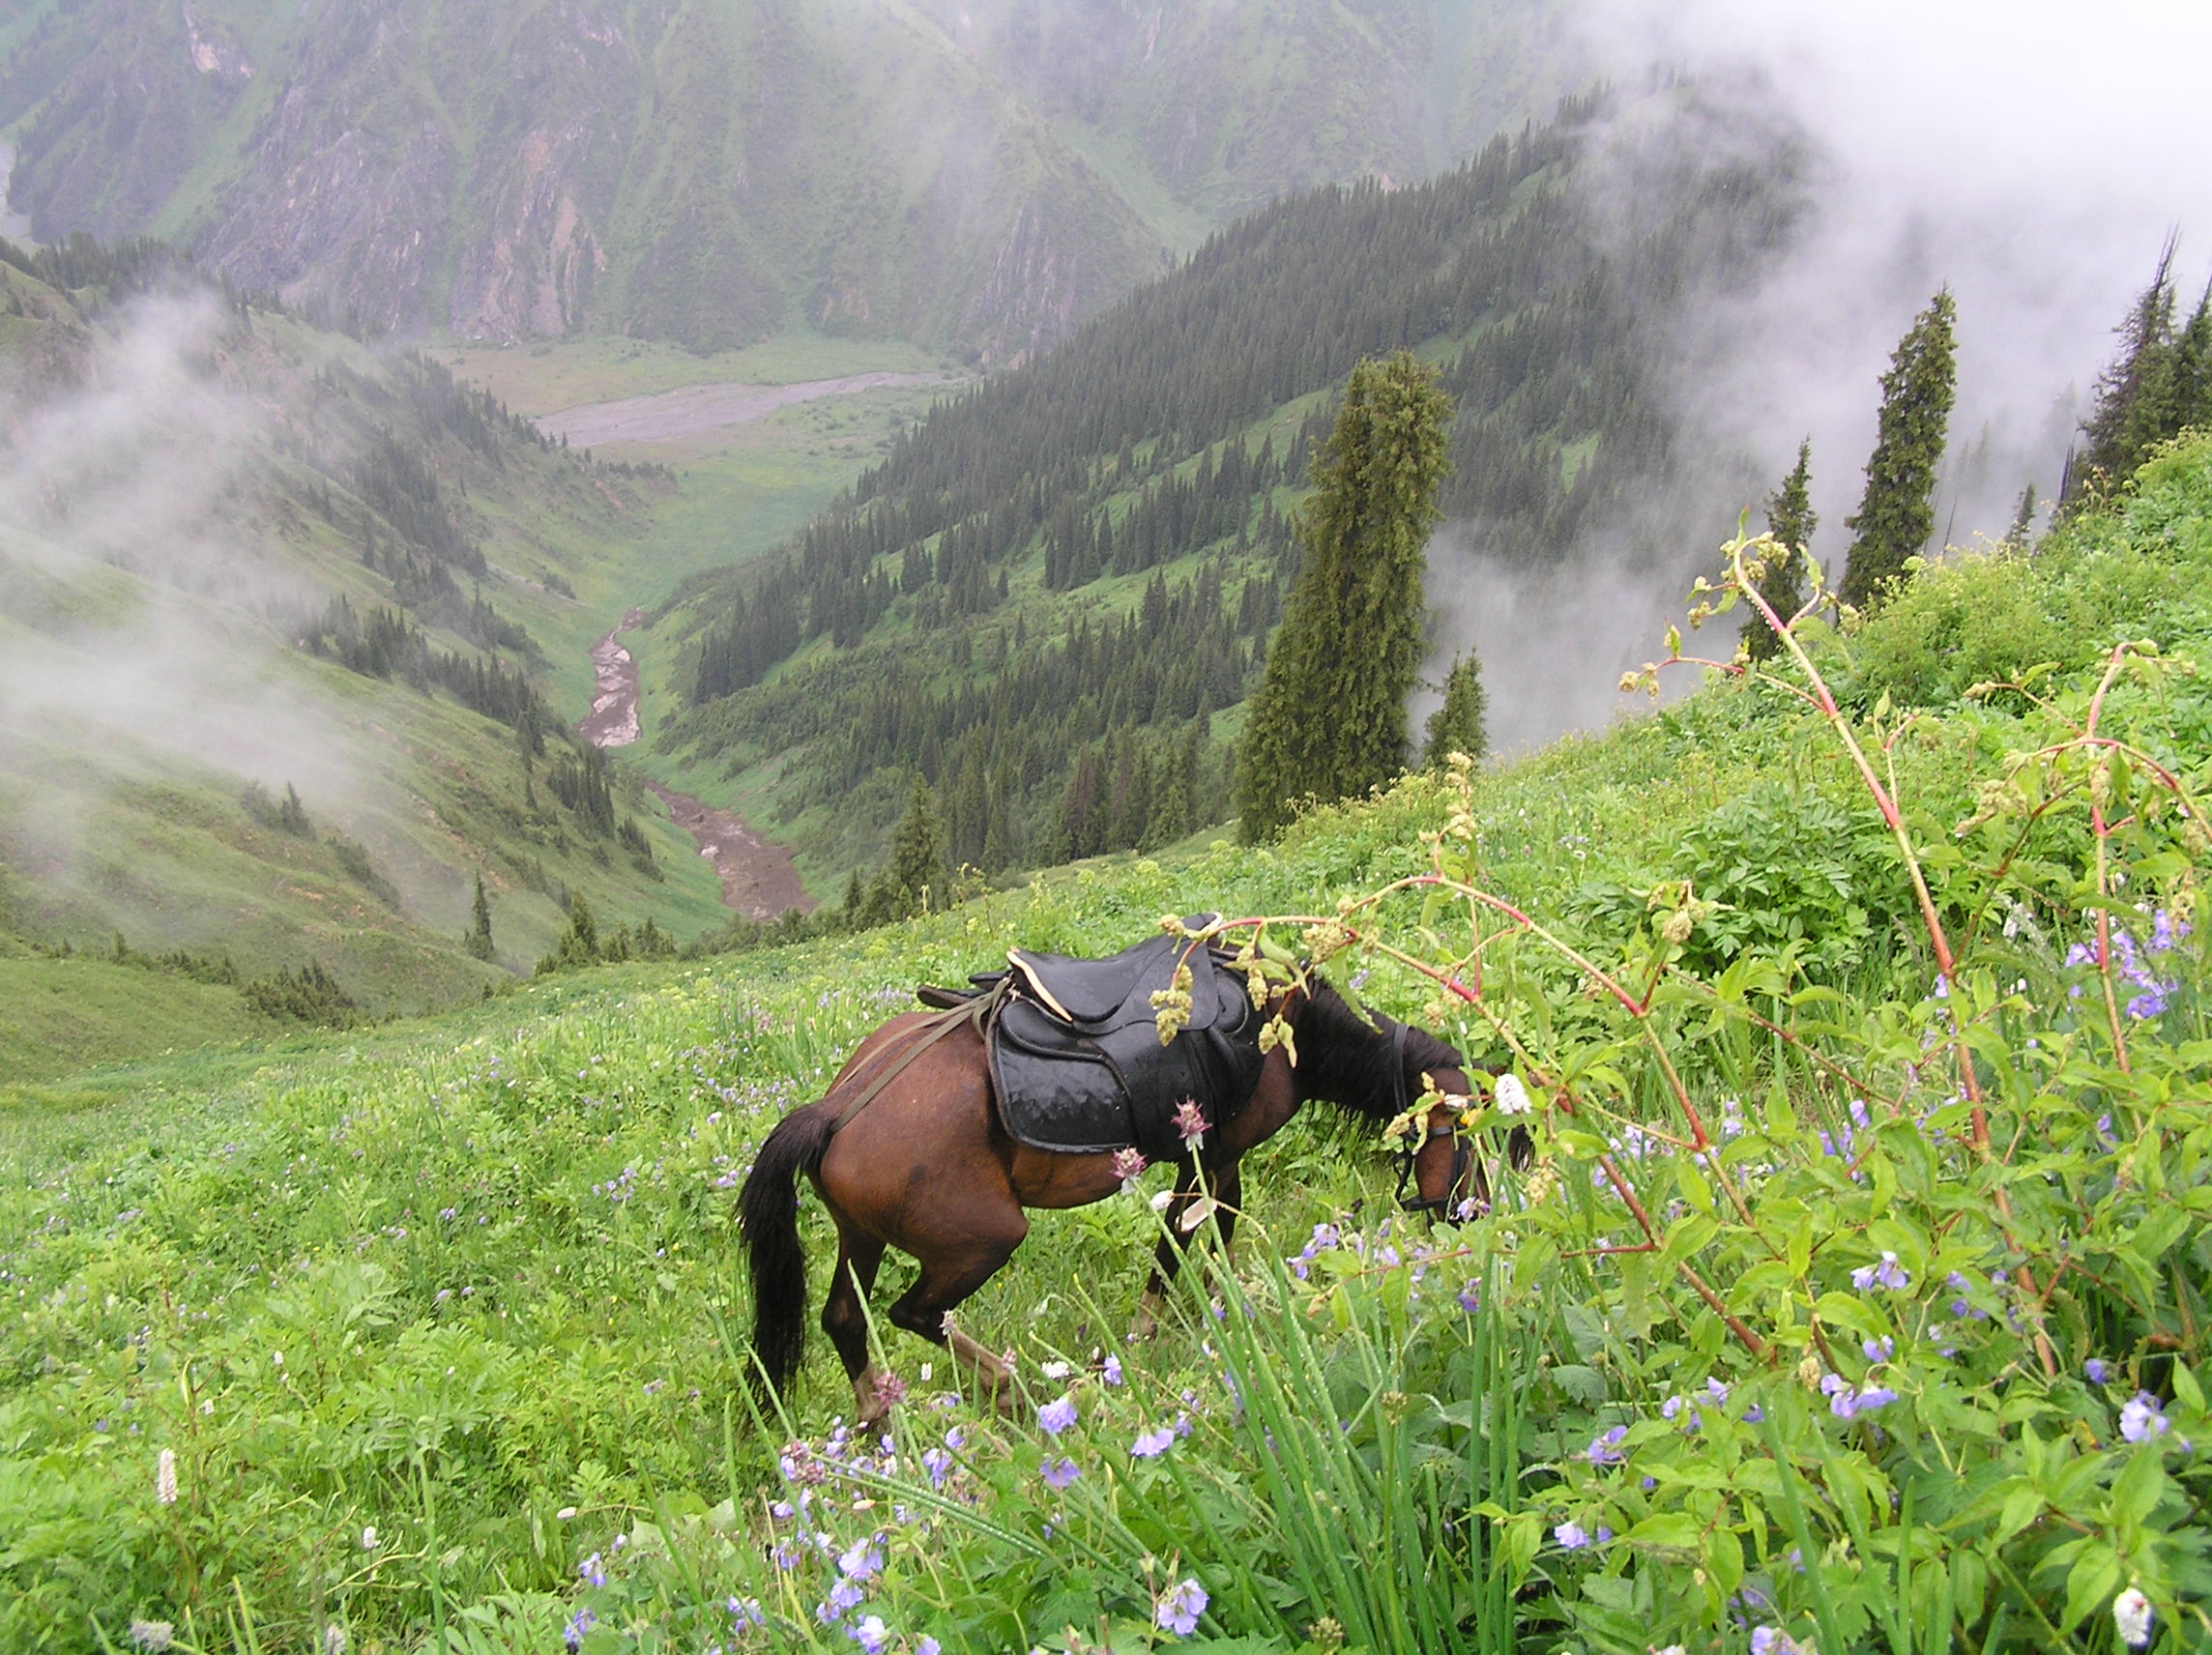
{"x": 922, "y": 1162}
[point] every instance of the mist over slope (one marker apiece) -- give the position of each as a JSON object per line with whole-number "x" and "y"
{"x": 984, "y": 177}
{"x": 264, "y": 650}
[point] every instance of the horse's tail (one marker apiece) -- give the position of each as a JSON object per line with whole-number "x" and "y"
{"x": 768, "y": 1220}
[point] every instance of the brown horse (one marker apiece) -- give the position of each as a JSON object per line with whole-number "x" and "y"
{"x": 926, "y": 1165}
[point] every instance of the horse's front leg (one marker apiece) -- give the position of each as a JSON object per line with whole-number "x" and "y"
{"x": 1223, "y": 1191}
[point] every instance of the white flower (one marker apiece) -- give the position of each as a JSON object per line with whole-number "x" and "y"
{"x": 276, "y": 1360}
{"x": 1056, "y": 1370}
{"x": 1512, "y": 1096}
{"x": 1160, "y": 1202}
{"x": 2130, "y": 1613}
{"x": 565, "y": 1514}
{"x": 165, "y": 1477}
{"x": 369, "y": 1538}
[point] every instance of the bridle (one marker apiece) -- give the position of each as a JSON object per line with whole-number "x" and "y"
{"x": 1463, "y": 1154}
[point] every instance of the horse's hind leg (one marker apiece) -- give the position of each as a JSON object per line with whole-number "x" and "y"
{"x": 845, "y": 1317}
{"x": 947, "y": 1280}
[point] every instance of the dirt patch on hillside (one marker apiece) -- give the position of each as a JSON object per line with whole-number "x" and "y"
{"x": 669, "y": 415}
{"x": 759, "y": 879}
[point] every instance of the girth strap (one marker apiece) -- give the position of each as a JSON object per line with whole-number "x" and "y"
{"x": 976, "y": 1013}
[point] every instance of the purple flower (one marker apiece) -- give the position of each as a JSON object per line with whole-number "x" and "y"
{"x": 1190, "y": 1121}
{"x": 845, "y": 1595}
{"x": 1571, "y": 1536}
{"x": 579, "y": 1623}
{"x": 1842, "y": 1401}
{"x": 593, "y": 1572}
{"x": 1874, "y": 1397}
{"x": 2096, "y": 1371}
{"x": 1111, "y": 1372}
{"x": 1885, "y": 1274}
{"x": 787, "y": 1554}
{"x": 2141, "y": 1418}
{"x": 928, "y": 1647}
{"x": 1470, "y": 1298}
{"x": 863, "y": 1559}
{"x": 1879, "y": 1350}
{"x": 1604, "y": 1448}
{"x": 1058, "y": 1474}
{"x": 1179, "y": 1610}
{"x": 937, "y": 1463}
{"x": 871, "y": 1635}
{"x": 1128, "y": 1166}
{"x": 746, "y": 1613}
{"x": 1152, "y": 1443}
{"x": 1056, "y": 1418}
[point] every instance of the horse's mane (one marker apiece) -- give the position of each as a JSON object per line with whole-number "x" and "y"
{"x": 1345, "y": 1059}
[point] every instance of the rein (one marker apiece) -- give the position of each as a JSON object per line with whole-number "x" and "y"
{"x": 974, "y": 1014}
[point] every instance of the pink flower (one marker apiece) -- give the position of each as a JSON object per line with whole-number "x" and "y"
{"x": 1128, "y": 1166}
{"x": 1190, "y": 1121}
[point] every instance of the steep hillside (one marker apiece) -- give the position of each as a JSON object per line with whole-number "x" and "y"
{"x": 1051, "y": 599}
{"x": 712, "y": 171}
{"x": 494, "y": 1250}
{"x": 269, "y": 615}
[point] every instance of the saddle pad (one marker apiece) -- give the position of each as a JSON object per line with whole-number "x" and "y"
{"x": 1101, "y": 1081}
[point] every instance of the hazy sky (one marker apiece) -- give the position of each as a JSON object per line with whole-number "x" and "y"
{"x": 2034, "y": 156}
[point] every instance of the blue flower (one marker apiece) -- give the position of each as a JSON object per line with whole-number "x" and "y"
{"x": 579, "y": 1623}
{"x": 1056, "y": 1418}
{"x": 863, "y": 1559}
{"x": 1571, "y": 1536}
{"x": 871, "y": 1635}
{"x": 2096, "y": 1371}
{"x": 1152, "y": 1443}
{"x": 1111, "y": 1372}
{"x": 1058, "y": 1474}
{"x": 1886, "y": 1274}
{"x": 593, "y": 1572}
{"x": 2141, "y": 1418}
{"x": 1179, "y": 1610}
{"x": 1604, "y": 1448}
{"x": 1470, "y": 1298}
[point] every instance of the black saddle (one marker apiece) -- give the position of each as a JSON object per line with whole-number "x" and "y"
{"x": 1076, "y": 1060}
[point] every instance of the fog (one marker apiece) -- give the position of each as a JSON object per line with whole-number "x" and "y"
{"x": 136, "y": 599}
{"x": 2032, "y": 157}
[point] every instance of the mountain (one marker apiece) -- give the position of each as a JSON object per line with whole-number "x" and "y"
{"x": 983, "y": 177}
{"x": 271, "y": 610}
{"x": 1052, "y": 597}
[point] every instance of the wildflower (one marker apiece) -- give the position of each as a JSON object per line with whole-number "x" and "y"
{"x": 1718, "y": 1391}
{"x": 1879, "y": 1350}
{"x": 1111, "y": 1372}
{"x": 787, "y": 1554}
{"x": 1190, "y": 1121}
{"x": 1874, "y": 1397}
{"x": 937, "y": 1463}
{"x": 581, "y": 1623}
{"x": 1512, "y": 1096}
{"x": 1058, "y": 1474}
{"x": 565, "y": 1514}
{"x": 152, "y": 1634}
{"x": 861, "y": 1559}
{"x": 1571, "y": 1536}
{"x": 165, "y": 1477}
{"x": 1178, "y": 1611}
{"x": 2131, "y": 1616}
{"x": 1885, "y": 1274}
{"x": 746, "y": 1613}
{"x": 2139, "y": 1418}
{"x": 1128, "y": 1166}
{"x": 2096, "y": 1371}
{"x": 592, "y": 1570}
{"x": 1152, "y": 1443}
{"x": 890, "y": 1391}
{"x": 334, "y": 1640}
{"x": 928, "y": 1647}
{"x": 369, "y": 1538}
{"x": 1056, "y": 1370}
{"x": 871, "y": 1635}
{"x": 844, "y": 1595}
{"x": 1604, "y": 1448}
{"x": 1842, "y": 1401}
{"x": 1470, "y": 1298}
{"x": 1056, "y": 1418}
{"x": 956, "y": 1439}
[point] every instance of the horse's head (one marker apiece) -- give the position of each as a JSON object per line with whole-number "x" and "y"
{"x": 1440, "y": 1162}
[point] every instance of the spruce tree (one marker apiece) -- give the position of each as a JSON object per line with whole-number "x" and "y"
{"x": 916, "y": 865}
{"x": 2023, "y": 519}
{"x": 1329, "y": 717}
{"x": 1790, "y": 520}
{"x": 1897, "y": 512}
{"x": 1458, "y": 726}
{"x": 480, "y": 930}
{"x": 2135, "y": 392}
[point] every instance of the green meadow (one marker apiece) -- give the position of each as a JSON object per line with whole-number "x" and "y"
{"x": 1851, "y": 1300}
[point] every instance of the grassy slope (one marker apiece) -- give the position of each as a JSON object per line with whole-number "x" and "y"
{"x": 510, "y": 1226}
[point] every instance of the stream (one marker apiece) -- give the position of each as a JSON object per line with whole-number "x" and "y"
{"x": 759, "y": 879}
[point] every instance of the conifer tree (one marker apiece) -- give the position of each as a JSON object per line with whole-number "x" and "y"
{"x": 480, "y": 930}
{"x": 1897, "y": 512}
{"x": 1329, "y": 718}
{"x": 916, "y": 865}
{"x": 1790, "y": 520}
{"x": 2135, "y": 392}
{"x": 2023, "y": 519}
{"x": 1458, "y": 725}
